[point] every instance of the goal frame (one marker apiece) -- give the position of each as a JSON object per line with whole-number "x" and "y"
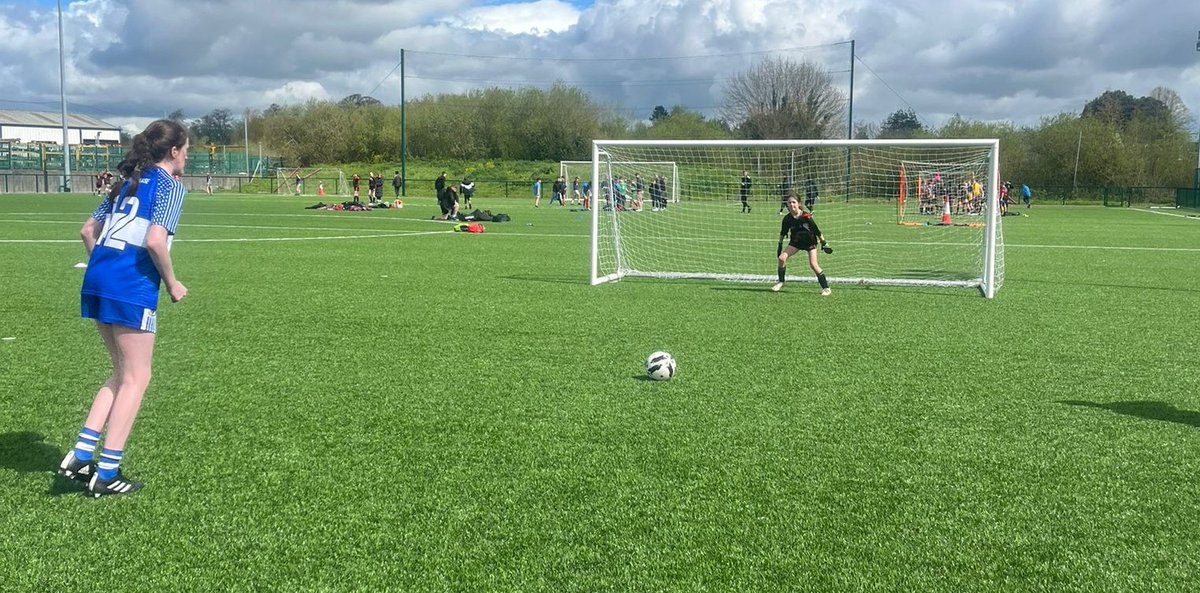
{"x": 985, "y": 282}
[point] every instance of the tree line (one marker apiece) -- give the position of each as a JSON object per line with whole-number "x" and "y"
{"x": 1117, "y": 139}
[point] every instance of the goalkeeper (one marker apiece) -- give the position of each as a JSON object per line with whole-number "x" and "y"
{"x": 802, "y": 234}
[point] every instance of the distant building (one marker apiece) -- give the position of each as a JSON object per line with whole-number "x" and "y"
{"x": 27, "y": 127}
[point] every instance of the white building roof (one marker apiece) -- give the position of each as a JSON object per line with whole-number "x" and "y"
{"x": 52, "y": 119}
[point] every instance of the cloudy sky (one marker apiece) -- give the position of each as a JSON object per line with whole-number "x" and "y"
{"x": 129, "y": 61}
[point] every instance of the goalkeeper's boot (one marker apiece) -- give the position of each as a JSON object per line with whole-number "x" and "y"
{"x": 76, "y": 469}
{"x": 778, "y": 287}
{"x": 118, "y": 485}
{"x": 825, "y": 291}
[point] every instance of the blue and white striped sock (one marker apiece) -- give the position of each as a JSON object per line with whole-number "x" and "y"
{"x": 86, "y": 445}
{"x": 110, "y": 460}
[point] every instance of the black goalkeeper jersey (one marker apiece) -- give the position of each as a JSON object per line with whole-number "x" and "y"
{"x": 800, "y": 231}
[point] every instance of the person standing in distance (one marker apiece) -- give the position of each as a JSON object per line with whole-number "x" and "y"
{"x": 439, "y": 185}
{"x": 128, "y": 240}
{"x": 802, "y": 234}
{"x": 745, "y": 192}
{"x": 467, "y": 189}
{"x": 537, "y": 193}
{"x": 810, "y": 194}
{"x": 396, "y": 183}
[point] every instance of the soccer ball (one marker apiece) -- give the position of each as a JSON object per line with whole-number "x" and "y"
{"x": 660, "y": 366}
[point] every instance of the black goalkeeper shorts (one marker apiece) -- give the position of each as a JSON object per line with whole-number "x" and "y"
{"x": 803, "y": 244}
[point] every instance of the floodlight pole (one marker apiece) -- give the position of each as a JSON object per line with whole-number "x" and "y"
{"x": 62, "y": 86}
{"x": 246, "y": 137}
{"x": 403, "y": 135}
{"x": 850, "y": 118}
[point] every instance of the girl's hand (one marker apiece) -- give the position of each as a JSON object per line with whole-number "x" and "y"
{"x": 177, "y": 291}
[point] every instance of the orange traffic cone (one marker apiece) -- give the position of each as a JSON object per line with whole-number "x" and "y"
{"x": 321, "y": 190}
{"x": 946, "y": 214}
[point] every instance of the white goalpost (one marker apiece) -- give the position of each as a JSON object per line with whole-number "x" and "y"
{"x": 896, "y": 212}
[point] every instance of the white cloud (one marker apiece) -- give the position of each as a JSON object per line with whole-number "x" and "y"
{"x": 297, "y": 91}
{"x": 540, "y": 18}
{"x": 983, "y": 59}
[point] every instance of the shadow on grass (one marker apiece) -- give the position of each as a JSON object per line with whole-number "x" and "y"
{"x": 1113, "y": 285}
{"x": 549, "y": 279}
{"x": 1150, "y": 410}
{"x": 27, "y": 452}
{"x": 794, "y": 286}
{"x": 744, "y": 287}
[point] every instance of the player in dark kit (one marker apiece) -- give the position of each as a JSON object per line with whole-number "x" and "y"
{"x": 745, "y": 192}
{"x": 802, "y": 234}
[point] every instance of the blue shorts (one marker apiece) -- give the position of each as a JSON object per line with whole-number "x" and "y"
{"x": 116, "y": 313}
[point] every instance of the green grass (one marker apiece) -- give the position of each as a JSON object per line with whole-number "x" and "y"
{"x": 444, "y": 412}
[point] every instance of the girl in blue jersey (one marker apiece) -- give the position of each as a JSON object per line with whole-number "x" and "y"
{"x": 128, "y": 240}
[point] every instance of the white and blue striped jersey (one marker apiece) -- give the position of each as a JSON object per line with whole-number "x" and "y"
{"x": 121, "y": 268}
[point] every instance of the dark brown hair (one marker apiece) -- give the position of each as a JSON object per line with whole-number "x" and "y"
{"x": 147, "y": 149}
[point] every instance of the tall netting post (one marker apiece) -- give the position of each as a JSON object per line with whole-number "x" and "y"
{"x": 904, "y": 212}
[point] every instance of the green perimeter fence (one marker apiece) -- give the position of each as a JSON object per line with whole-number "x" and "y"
{"x": 338, "y": 185}
{"x": 218, "y": 160}
{"x": 334, "y": 185}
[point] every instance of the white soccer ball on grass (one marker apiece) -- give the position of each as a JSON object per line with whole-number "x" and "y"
{"x": 660, "y": 366}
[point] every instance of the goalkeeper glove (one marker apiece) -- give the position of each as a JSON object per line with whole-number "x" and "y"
{"x": 826, "y": 248}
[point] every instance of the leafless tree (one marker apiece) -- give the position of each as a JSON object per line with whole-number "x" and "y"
{"x": 782, "y": 98}
{"x": 1181, "y": 117}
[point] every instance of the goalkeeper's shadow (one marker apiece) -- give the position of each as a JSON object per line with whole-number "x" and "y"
{"x": 794, "y": 286}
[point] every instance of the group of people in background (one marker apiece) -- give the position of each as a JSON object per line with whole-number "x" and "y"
{"x": 103, "y": 182}
{"x": 967, "y": 197}
{"x": 580, "y": 192}
{"x": 625, "y": 194}
{"x": 1007, "y": 199}
{"x": 449, "y": 196}
{"x": 785, "y": 191}
{"x": 375, "y": 184}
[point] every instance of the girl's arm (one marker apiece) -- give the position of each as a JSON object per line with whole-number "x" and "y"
{"x": 90, "y": 233}
{"x": 156, "y": 244}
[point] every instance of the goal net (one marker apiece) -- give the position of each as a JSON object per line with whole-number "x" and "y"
{"x": 646, "y": 171}
{"x": 864, "y": 195}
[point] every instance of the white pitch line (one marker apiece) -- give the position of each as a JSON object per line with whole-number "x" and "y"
{"x": 393, "y": 233}
{"x": 1183, "y": 216}
{"x": 229, "y": 226}
{"x": 191, "y": 214}
{"x": 255, "y": 239}
{"x": 895, "y": 243}
{"x": 267, "y": 239}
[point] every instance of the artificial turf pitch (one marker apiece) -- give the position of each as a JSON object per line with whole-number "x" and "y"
{"x": 367, "y": 401}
